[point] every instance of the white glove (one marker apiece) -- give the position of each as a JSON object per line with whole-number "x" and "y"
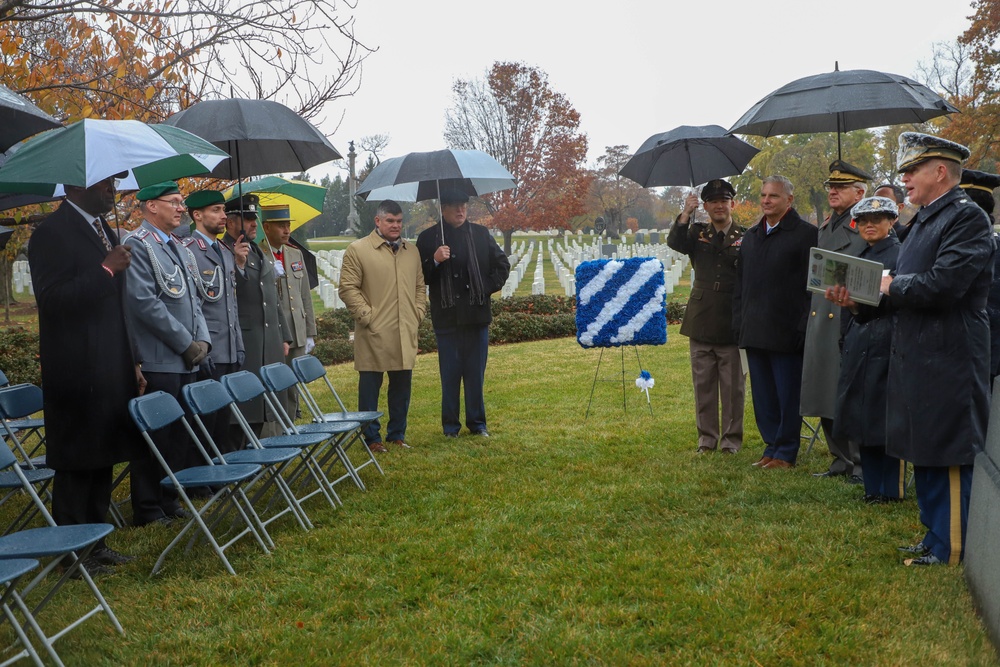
{"x": 310, "y": 345}
{"x": 279, "y": 268}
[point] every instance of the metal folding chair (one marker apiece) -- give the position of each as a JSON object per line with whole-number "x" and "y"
{"x": 208, "y": 397}
{"x": 66, "y": 546}
{"x": 244, "y": 386}
{"x": 278, "y": 377}
{"x": 158, "y": 410}
{"x": 810, "y": 434}
{"x": 308, "y": 369}
{"x": 18, "y": 400}
{"x": 11, "y": 572}
{"x": 17, "y": 405}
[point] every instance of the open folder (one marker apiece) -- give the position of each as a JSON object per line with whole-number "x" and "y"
{"x": 862, "y": 277}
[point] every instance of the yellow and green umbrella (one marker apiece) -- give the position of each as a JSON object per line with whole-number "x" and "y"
{"x": 303, "y": 201}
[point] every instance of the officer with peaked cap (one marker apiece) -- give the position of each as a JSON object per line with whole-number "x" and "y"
{"x": 716, "y": 369}
{"x": 940, "y": 339}
{"x": 845, "y": 187}
{"x": 216, "y": 280}
{"x": 265, "y": 332}
{"x": 170, "y": 334}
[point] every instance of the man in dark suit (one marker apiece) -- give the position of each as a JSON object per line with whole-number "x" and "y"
{"x": 216, "y": 280}
{"x": 463, "y": 266}
{"x": 89, "y": 369}
{"x": 716, "y": 370}
{"x": 770, "y": 305}
{"x": 265, "y": 332}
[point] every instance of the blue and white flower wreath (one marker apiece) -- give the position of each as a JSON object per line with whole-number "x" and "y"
{"x": 621, "y": 302}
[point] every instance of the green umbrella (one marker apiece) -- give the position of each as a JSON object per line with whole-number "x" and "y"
{"x": 91, "y": 150}
{"x": 304, "y": 201}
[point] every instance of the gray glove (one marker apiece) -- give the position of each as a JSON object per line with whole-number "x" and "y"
{"x": 195, "y": 353}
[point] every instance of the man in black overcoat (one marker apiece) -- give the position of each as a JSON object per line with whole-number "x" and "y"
{"x": 940, "y": 340}
{"x": 89, "y": 369}
{"x": 770, "y": 307}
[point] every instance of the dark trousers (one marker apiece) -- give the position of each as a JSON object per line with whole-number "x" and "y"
{"x": 82, "y": 496}
{"x": 882, "y": 474}
{"x": 462, "y": 353}
{"x": 846, "y": 454}
{"x": 369, "y": 386}
{"x": 149, "y": 499}
{"x": 217, "y": 423}
{"x": 775, "y": 383}
{"x": 943, "y": 499}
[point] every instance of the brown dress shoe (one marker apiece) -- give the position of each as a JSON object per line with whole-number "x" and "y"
{"x": 763, "y": 461}
{"x": 377, "y": 447}
{"x": 777, "y": 463}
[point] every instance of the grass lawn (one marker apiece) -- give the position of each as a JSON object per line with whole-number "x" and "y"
{"x": 559, "y": 540}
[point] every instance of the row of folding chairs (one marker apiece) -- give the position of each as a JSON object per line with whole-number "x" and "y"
{"x": 273, "y": 476}
{"x": 53, "y": 554}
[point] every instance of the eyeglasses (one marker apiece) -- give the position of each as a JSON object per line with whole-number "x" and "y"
{"x": 179, "y": 205}
{"x": 830, "y": 187}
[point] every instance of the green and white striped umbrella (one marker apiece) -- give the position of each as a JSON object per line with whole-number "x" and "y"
{"x": 91, "y": 150}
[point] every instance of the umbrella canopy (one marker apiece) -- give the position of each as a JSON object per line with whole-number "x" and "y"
{"x": 90, "y": 151}
{"x": 19, "y": 118}
{"x": 304, "y": 200}
{"x": 840, "y": 102}
{"x": 688, "y": 155}
{"x": 422, "y": 176}
{"x": 263, "y": 137}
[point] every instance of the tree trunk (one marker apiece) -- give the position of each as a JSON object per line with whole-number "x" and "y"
{"x": 507, "y": 235}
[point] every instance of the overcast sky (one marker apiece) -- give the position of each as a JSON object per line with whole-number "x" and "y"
{"x": 632, "y": 68}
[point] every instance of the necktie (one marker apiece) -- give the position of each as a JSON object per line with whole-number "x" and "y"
{"x": 394, "y": 246}
{"x": 720, "y": 238}
{"x": 218, "y": 251}
{"x": 101, "y": 234}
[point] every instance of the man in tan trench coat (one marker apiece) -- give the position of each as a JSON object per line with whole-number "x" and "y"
{"x": 382, "y": 284}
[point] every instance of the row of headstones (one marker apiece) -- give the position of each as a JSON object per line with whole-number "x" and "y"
{"x": 519, "y": 266}
{"x": 573, "y": 254}
{"x": 538, "y": 283}
{"x": 328, "y": 265}
{"x": 22, "y": 277}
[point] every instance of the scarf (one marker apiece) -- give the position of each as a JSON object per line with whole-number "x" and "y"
{"x": 477, "y": 297}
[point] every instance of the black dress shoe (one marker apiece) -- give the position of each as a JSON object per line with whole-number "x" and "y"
{"x": 854, "y": 479}
{"x": 482, "y": 433}
{"x": 94, "y": 569}
{"x": 179, "y": 513}
{"x": 829, "y": 473}
{"x": 917, "y": 548}
{"x": 873, "y": 499}
{"x": 108, "y": 556}
{"x": 927, "y": 559}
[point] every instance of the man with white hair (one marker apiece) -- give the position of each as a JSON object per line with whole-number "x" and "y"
{"x": 845, "y": 187}
{"x": 939, "y": 362}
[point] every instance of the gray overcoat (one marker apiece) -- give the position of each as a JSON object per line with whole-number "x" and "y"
{"x": 821, "y": 359}
{"x": 217, "y": 274}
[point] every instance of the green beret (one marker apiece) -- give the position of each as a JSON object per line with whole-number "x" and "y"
{"x": 203, "y": 198}
{"x": 157, "y": 190}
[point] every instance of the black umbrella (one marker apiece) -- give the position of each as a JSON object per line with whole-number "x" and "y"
{"x": 688, "y": 155}
{"x": 263, "y": 137}
{"x": 423, "y": 176}
{"x": 19, "y": 118}
{"x": 840, "y": 102}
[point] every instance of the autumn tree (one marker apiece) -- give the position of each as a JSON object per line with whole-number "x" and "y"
{"x": 612, "y": 196}
{"x": 514, "y": 115}
{"x": 148, "y": 58}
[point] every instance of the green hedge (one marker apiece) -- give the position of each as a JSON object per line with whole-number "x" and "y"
{"x": 19, "y": 356}
{"x": 515, "y": 320}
